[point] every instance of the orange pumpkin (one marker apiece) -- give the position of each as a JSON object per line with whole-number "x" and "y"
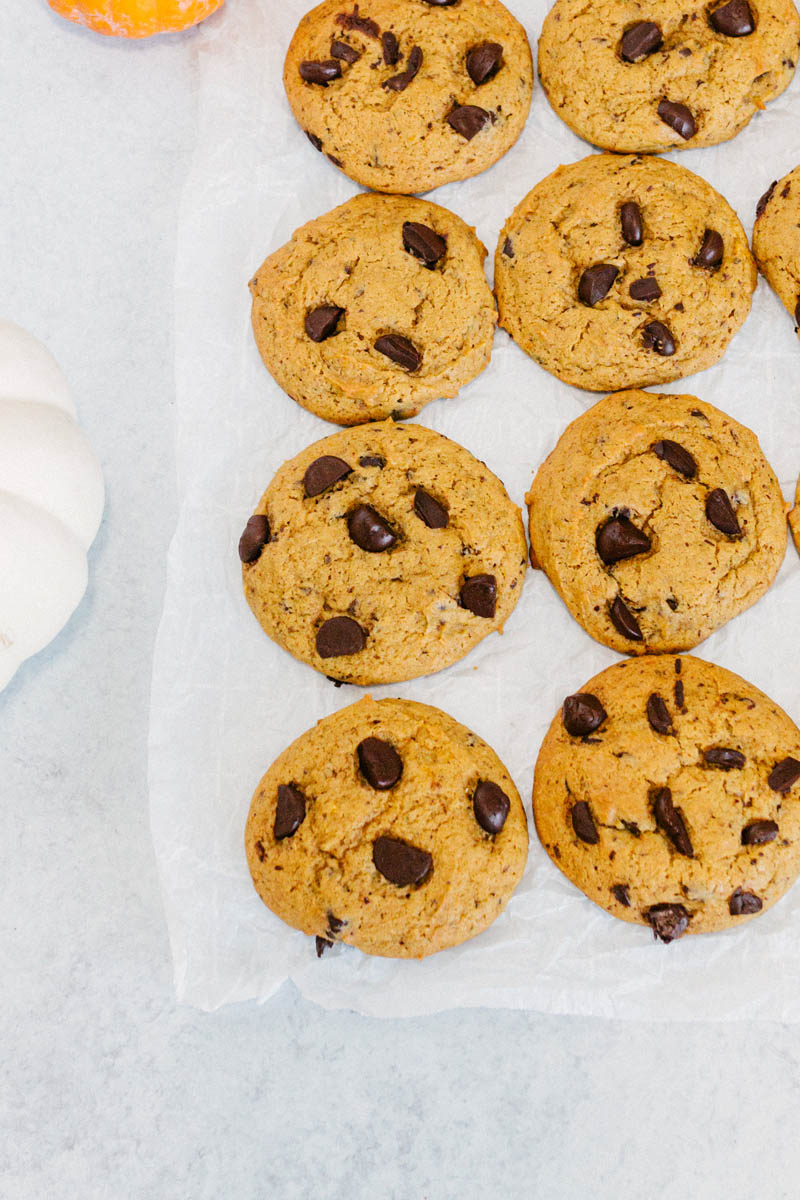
{"x": 135, "y": 18}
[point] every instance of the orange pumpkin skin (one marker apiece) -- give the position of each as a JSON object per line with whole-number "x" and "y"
{"x": 135, "y": 18}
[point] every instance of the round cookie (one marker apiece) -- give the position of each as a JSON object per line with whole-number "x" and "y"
{"x": 374, "y": 309}
{"x": 776, "y": 241}
{"x": 668, "y": 790}
{"x": 633, "y": 76}
{"x": 657, "y": 519}
{"x": 405, "y": 95}
{"x": 794, "y": 518}
{"x": 382, "y": 553}
{"x": 390, "y": 827}
{"x": 619, "y": 272}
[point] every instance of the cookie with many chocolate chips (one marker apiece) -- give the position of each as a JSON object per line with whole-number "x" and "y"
{"x": 689, "y": 827}
{"x": 405, "y": 95}
{"x": 390, "y": 827}
{"x": 776, "y": 241}
{"x": 374, "y": 309}
{"x": 387, "y": 552}
{"x": 620, "y": 272}
{"x": 657, "y": 519}
{"x": 633, "y": 75}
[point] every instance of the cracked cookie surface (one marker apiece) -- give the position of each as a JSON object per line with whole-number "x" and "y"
{"x": 375, "y": 309}
{"x": 382, "y": 553}
{"x": 657, "y": 519}
{"x": 406, "y": 95}
{"x": 776, "y": 241}
{"x": 620, "y": 272}
{"x": 388, "y": 826}
{"x": 634, "y": 76}
{"x": 668, "y": 790}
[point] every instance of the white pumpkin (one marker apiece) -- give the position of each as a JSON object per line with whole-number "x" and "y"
{"x": 51, "y": 499}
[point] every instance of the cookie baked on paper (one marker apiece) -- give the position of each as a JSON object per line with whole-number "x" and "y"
{"x": 375, "y": 309}
{"x": 619, "y": 272}
{"x": 632, "y": 76}
{"x": 668, "y": 790}
{"x": 776, "y": 241}
{"x": 406, "y": 95}
{"x": 657, "y": 519}
{"x": 382, "y": 553}
{"x": 388, "y": 826}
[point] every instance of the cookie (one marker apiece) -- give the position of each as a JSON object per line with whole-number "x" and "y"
{"x": 382, "y": 553}
{"x": 390, "y": 827}
{"x": 657, "y": 519}
{"x": 668, "y": 790}
{"x": 635, "y": 77}
{"x": 374, "y": 309}
{"x": 405, "y": 95}
{"x": 794, "y": 518}
{"x": 776, "y": 241}
{"x": 619, "y": 272}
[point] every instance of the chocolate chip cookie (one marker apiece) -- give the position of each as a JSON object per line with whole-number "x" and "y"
{"x": 382, "y": 553}
{"x": 776, "y": 241}
{"x": 405, "y": 95}
{"x": 794, "y": 518}
{"x": 390, "y": 827}
{"x": 668, "y": 790}
{"x": 619, "y": 272}
{"x": 657, "y": 519}
{"x": 636, "y": 76}
{"x": 374, "y": 309}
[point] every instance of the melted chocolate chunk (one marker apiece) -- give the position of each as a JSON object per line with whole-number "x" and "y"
{"x": 721, "y": 514}
{"x": 372, "y": 460}
{"x": 624, "y": 621}
{"x": 491, "y": 806}
{"x": 323, "y": 473}
{"x": 765, "y": 199}
{"x": 400, "y": 350}
{"x": 678, "y": 117}
{"x": 399, "y": 83}
{"x": 734, "y": 19}
{"x": 339, "y": 636}
{"x": 380, "y": 764}
{"x": 484, "y": 61}
{"x": 595, "y": 283}
{"x": 479, "y": 595}
{"x": 621, "y": 893}
{"x": 758, "y": 833}
{"x": 401, "y": 863}
{"x": 424, "y": 243}
{"x": 619, "y": 539}
{"x": 468, "y": 120}
{"x": 315, "y": 141}
{"x": 711, "y": 252}
{"x": 321, "y": 322}
{"x": 670, "y": 820}
{"x": 434, "y": 514}
{"x": 784, "y": 775}
{"x": 320, "y": 72}
{"x": 254, "y": 539}
{"x": 645, "y": 289}
{"x": 639, "y": 41}
{"x": 744, "y": 904}
{"x": 391, "y": 50}
{"x": 290, "y": 811}
{"x": 346, "y": 53}
{"x": 630, "y": 217}
{"x": 679, "y": 459}
{"x": 369, "y": 530}
{"x": 658, "y": 715}
{"x": 668, "y": 921}
{"x": 354, "y": 20}
{"x": 582, "y": 714}
{"x": 657, "y": 336}
{"x": 583, "y": 823}
{"x": 508, "y": 248}
{"x": 724, "y": 757}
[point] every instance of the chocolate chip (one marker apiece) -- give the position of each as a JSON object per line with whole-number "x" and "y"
{"x": 323, "y": 473}
{"x": 679, "y": 459}
{"x": 583, "y": 823}
{"x": 372, "y": 460}
{"x": 630, "y": 218}
{"x": 624, "y": 621}
{"x": 484, "y": 61}
{"x": 670, "y": 820}
{"x": 338, "y": 636}
{"x": 400, "y": 350}
{"x": 672, "y": 603}
{"x": 399, "y": 83}
{"x": 467, "y": 120}
{"x": 424, "y": 243}
{"x": 440, "y": 3}
{"x": 320, "y": 72}
{"x": 582, "y": 714}
{"x": 744, "y": 904}
{"x": 369, "y": 530}
{"x": 618, "y": 539}
{"x": 490, "y": 805}
{"x": 322, "y": 944}
{"x": 620, "y": 893}
{"x": 641, "y": 39}
{"x": 354, "y": 21}
{"x": 668, "y": 921}
{"x": 595, "y": 283}
{"x": 632, "y": 828}
{"x": 734, "y": 19}
{"x": 290, "y": 811}
{"x": 321, "y": 322}
{"x": 380, "y": 763}
{"x": 346, "y": 53}
{"x": 508, "y": 248}
{"x": 434, "y": 514}
{"x": 315, "y": 141}
{"x": 646, "y": 289}
{"x": 678, "y": 117}
{"x": 784, "y": 775}
{"x": 765, "y": 199}
{"x": 479, "y": 595}
{"x": 391, "y": 51}
{"x": 335, "y": 924}
{"x": 658, "y": 714}
{"x": 758, "y": 833}
{"x": 797, "y": 312}
{"x": 679, "y": 695}
{"x": 724, "y": 757}
{"x": 720, "y": 513}
{"x": 400, "y": 862}
{"x": 656, "y": 336}
{"x": 254, "y": 538}
{"x": 711, "y": 250}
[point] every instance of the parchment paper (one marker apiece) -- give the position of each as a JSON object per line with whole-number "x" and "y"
{"x": 226, "y": 700}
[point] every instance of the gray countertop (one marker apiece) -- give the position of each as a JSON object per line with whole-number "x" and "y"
{"x": 108, "y": 1088}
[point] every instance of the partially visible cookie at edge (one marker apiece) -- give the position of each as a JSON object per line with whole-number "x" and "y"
{"x": 388, "y": 826}
{"x": 776, "y": 241}
{"x": 794, "y": 518}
